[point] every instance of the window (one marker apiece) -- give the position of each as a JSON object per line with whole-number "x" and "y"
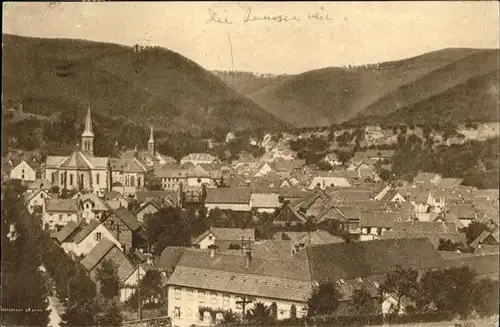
{"x": 238, "y": 302}
{"x": 98, "y": 236}
{"x": 368, "y": 230}
{"x": 201, "y": 297}
{"x": 62, "y": 178}
{"x": 177, "y": 293}
{"x": 97, "y": 178}
{"x": 71, "y": 179}
{"x": 132, "y": 181}
{"x": 126, "y": 180}
{"x": 210, "y": 237}
{"x": 60, "y": 217}
{"x": 189, "y": 313}
{"x": 139, "y": 181}
{"x": 190, "y": 294}
{"x": 213, "y": 295}
{"x": 225, "y": 301}
{"x": 53, "y": 177}
{"x": 177, "y": 312}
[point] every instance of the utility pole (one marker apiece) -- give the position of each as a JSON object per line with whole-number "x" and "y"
{"x": 139, "y": 306}
{"x": 244, "y": 301}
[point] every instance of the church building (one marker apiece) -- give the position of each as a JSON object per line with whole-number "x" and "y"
{"x": 81, "y": 170}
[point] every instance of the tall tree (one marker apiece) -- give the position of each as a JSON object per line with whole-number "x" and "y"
{"x": 108, "y": 280}
{"x": 23, "y": 285}
{"x": 259, "y": 314}
{"x": 324, "y": 299}
{"x": 362, "y": 303}
{"x": 401, "y": 282}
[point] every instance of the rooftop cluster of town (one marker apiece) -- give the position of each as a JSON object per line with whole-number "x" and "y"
{"x": 344, "y": 225}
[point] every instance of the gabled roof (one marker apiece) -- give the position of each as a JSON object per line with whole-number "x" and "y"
{"x": 169, "y": 257}
{"x": 128, "y": 218}
{"x": 145, "y": 196}
{"x": 76, "y": 161}
{"x": 40, "y": 183}
{"x": 54, "y": 161}
{"x": 81, "y": 235}
{"x": 240, "y": 283}
{"x": 484, "y": 265}
{"x": 332, "y": 262}
{"x": 230, "y": 234}
{"x": 61, "y": 205}
{"x": 106, "y": 249}
{"x": 380, "y": 219}
{"x": 65, "y": 233}
{"x": 97, "y": 254}
{"x": 99, "y": 204}
{"x": 228, "y": 195}
{"x": 463, "y": 210}
{"x": 484, "y": 235}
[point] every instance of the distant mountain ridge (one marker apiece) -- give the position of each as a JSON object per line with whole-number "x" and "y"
{"x": 334, "y": 95}
{"x": 159, "y": 85}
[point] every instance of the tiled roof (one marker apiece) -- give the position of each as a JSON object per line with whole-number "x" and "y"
{"x": 40, "y": 183}
{"x": 423, "y": 177}
{"x": 349, "y": 213}
{"x": 54, "y": 161}
{"x": 346, "y": 288}
{"x": 61, "y": 205}
{"x": 241, "y": 283}
{"x": 97, "y": 253}
{"x": 144, "y": 196}
{"x": 332, "y": 262}
{"x": 65, "y": 232}
{"x": 169, "y": 257}
{"x": 81, "y": 235}
{"x": 450, "y": 183}
{"x": 463, "y": 210}
{"x": 434, "y": 238}
{"x": 128, "y": 218}
{"x": 264, "y": 201}
{"x": 99, "y": 204}
{"x": 426, "y": 227}
{"x": 294, "y": 268}
{"x": 98, "y": 162}
{"x": 380, "y": 219}
{"x": 230, "y": 234}
{"x": 76, "y": 161}
{"x": 228, "y": 195}
{"x": 106, "y": 249}
{"x": 484, "y": 265}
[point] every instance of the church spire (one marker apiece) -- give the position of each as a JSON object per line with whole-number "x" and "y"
{"x": 88, "y": 134}
{"x": 151, "y": 143}
{"x": 151, "y": 136}
{"x": 88, "y": 124}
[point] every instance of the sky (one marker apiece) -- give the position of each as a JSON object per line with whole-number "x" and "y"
{"x": 307, "y": 35}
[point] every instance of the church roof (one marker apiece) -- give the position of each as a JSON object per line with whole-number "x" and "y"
{"x": 88, "y": 125}
{"x": 76, "y": 160}
{"x": 54, "y": 161}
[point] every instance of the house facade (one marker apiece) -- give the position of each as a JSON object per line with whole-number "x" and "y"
{"x": 87, "y": 238}
{"x": 58, "y": 212}
{"x": 24, "y": 172}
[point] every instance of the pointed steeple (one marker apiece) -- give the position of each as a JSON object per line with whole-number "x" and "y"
{"x": 151, "y": 143}
{"x": 151, "y": 136}
{"x": 88, "y": 134}
{"x": 88, "y": 124}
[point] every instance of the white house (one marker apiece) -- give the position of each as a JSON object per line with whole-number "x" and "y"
{"x": 36, "y": 200}
{"x": 219, "y": 281}
{"x": 24, "y": 172}
{"x": 214, "y": 235}
{"x": 81, "y": 240}
{"x": 93, "y": 207}
{"x": 58, "y": 212}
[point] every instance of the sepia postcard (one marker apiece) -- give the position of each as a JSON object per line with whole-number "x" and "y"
{"x": 239, "y": 163}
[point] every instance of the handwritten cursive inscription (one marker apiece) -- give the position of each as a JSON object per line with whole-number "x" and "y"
{"x": 217, "y": 17}
{"x": 322, "y": 15}
{"x": 214, "y": 18}
{"x": 248, "y": 17}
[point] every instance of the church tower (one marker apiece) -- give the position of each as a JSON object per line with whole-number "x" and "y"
{"x": 88, "y": 134}
{"x": 151, "y": 143}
